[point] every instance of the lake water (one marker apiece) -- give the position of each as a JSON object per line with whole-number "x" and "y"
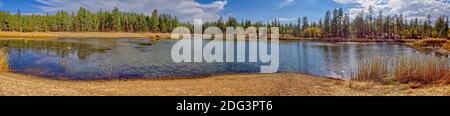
{"x": 104, "y": 59}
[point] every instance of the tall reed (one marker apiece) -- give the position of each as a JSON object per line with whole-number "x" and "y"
{"x": 375, "y": 69}
{"x": 421, "y": 69}
{"x": 4, "y": 64}
{"x": 405, "y": 69}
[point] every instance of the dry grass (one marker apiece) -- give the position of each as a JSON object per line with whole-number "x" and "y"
{"x": 360, "y": 40}
{"x": 446, "y": 46}
{"x": 431, "y": 42}
{"x": 4, "y": 66}
{"x": 423, "y": 70}
{"x": 375, "y": 69}
{"x": 27, "y": 35}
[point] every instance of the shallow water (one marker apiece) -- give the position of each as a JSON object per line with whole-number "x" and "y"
{"x": 103, "y": 59}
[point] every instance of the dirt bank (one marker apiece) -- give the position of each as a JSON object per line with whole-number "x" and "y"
{"x": 229, "y": 85}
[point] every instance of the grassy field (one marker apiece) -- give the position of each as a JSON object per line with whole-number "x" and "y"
{"x": 228, "y": 85}
{"x": 81, "y": 35}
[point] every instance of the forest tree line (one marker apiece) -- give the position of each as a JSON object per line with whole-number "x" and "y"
{"x": 336, "y": 24}
{"x": 87, "y": 21}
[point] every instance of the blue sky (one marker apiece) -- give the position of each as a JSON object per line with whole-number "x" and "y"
{"x": 261, "y": 10}
{"x": 264, "y": 10}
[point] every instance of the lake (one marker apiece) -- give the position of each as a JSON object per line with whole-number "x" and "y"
{"x": 106, "y": 59}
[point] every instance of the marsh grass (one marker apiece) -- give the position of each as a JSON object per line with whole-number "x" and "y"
{"x": 404, "y": 69}
{"x": 375, "y": 69}
{"x": 422, "y": 69}
{"x": 431, "y": 42}
{"x": 446, "y": 46}
{"x": 4, "y": 66}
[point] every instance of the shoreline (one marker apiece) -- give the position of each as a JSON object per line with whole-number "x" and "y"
{"x": 87, "y": 35}
{"x": 115, "y": 35}
{"x": 358, "y": 40}
{"x": 279, "y": 84}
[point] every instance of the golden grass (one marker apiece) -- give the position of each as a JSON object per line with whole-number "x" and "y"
{"x": 27, "y": 35}
{"x": 423, "y": 70}
{"x": 446, "y": 46}
{"x": 375, "y": 69}
{"x": 430, "y": 42}
{"x": 4, "y": 65}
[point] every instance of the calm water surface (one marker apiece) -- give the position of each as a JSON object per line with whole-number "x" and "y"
{"x": 103, "y": 59}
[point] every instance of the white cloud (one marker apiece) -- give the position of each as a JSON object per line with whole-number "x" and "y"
{"x": 285, "y": 3}
{"x": 286, "y": 20}
{"x": 186, "y": 10}
{"x": 409, "y": 8}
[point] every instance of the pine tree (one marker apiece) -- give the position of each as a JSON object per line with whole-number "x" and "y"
{"x": 62, "y": 20}
{"x": 154, "y": 21}
{"x": 327, "y": 27}
{"x": 116, "y": 20}
{"x": 446, "y": 28}
{"x": 379, "y": 24}
{"x": 440, "y": 27}
{"x": 232, "y": 22}
{"x": 335, "y": 24}
{"x": 220, "y": 23}
{"x": 345, "y": 26}
{"x": 305, "y": 23}
{"x": 298, "y": 28}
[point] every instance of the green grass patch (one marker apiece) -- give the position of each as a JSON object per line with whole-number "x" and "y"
{"x": 146, "y": 44}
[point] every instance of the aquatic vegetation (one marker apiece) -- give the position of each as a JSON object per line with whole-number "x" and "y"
{"x": 4, "y": 66}
{"x": 405, "y": 69}
{"x": 422, "y": 69}
{"x": 375, "y": 69}
{"x": 145, "y": 44}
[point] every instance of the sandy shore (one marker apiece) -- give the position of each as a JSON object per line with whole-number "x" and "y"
{"x": 50, "y": 35}
{"x": 229, "y": 85}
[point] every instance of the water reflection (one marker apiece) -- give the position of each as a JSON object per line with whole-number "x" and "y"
{"x": 91, "y": 59}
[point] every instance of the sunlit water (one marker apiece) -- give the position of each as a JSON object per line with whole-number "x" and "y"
{"x": 103, "y": 59}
